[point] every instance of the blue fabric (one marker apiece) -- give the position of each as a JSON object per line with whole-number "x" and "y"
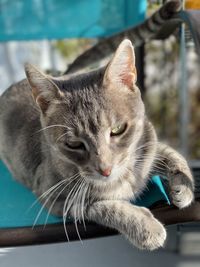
{"x": 154, "y": 192}
{"x": 54, "y": 19}
{"x": 16, "y": 201}
{"x": 17, "y": 209}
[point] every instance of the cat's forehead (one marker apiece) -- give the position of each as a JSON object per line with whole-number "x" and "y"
{"x": 75, "y": 82}
{"x": 88, "y": 101}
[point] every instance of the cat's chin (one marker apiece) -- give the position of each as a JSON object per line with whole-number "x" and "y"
{"x": 102, "y": 180}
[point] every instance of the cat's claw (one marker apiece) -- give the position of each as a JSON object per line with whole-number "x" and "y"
{"x": 181, "y": 195}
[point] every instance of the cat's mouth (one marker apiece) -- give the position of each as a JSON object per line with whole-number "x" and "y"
{"x": 101, "y": 181}
{"x": 97, "y": 178}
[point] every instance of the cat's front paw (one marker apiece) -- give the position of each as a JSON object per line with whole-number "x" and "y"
{"x": 150, "y": 234}
{"x": 181, "y": 193}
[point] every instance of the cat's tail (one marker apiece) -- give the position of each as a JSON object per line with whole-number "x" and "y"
{"x": 138, "y": 35}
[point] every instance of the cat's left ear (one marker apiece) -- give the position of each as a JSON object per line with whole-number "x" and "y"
{"x": 121, "y": 70}
{"x": 44, "y": 90}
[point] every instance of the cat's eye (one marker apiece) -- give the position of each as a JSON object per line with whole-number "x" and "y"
{"x": 118, "y": 130}
{"x": 75, "y": 145}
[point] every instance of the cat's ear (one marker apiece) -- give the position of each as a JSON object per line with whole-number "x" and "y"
{"x": 44, "y": 90}
{"x": 121, "y": 70}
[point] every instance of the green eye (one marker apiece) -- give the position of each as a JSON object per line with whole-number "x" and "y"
{"x": 118, "y": 130}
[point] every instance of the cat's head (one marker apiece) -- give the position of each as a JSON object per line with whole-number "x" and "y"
{"x": 93, "y": 120}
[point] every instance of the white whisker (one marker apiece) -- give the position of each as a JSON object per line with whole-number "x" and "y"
{"x": 44, "y": 205}
{"x": 50, "y": 191}
{"x": 83, "y": 204}
{"x": 66, "y": 208}
{"x": 148, "y": 144}
{"x": 77, "y": 205}
{"x": 60, "y": 137}
{"x": 52, "y": 126}
{"x": 45, "y": 194}
{"x": 55, "y": 199}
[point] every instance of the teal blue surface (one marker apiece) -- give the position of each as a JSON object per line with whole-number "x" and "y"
{"x": 154, "y": 192}
{"x": 16, "y": 200}
{"x": 55, "y": 19}
{"x": 17, "y": 209}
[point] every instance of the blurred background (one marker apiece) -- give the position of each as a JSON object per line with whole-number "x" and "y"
{"x": 172, "y": 106}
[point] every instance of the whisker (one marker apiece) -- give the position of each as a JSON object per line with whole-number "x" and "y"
{"x": 148, "y": 144}
{"x": 51, "y": 192}
{"x": 55, "y": 199}
{"x": 44, "y": 194}
{"x": 65, "y": 209}
{"x": 83, "y": 204}
{"x": 76, "y": 209}
{"x": 78, "y": 200}
{"x": 52, "y": 126}
{"x": 44, "y": 205}
{"x": 150, "y": 158}
{"x": 60, "y": 137}
{"x": 82, "y": 200}
{"x": 157, "y": 159}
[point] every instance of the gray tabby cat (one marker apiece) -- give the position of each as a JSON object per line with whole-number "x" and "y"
{"x": 87, "y": 143}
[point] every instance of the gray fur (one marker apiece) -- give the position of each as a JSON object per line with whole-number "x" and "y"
{"x": 37, "y": 134}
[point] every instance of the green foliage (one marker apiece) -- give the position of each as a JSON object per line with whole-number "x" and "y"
{"x": 72, "y": 47}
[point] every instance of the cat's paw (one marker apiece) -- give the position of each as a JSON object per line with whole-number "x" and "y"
{"x": 181, "y": 191}
{"x": 153, "y": 235}
{"x": 181, "y": 195}
{"x": 150, "y": 234}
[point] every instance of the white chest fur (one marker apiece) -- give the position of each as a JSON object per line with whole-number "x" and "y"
{"x": 120, "y": 190}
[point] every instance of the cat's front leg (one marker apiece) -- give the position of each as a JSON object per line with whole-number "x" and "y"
{"x": 181, "y": 182}
{"x": 137, "y": 224}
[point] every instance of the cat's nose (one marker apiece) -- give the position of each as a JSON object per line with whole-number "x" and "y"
{"x": 105, "y": 172}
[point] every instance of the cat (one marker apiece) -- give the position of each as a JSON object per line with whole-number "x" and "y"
{"x": 147, "y": 30}
{"x": 86, "y": 143}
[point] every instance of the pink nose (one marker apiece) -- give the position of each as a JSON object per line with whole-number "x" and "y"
{"x": 105, "y": 172}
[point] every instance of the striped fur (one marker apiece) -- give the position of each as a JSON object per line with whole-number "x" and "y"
{"x": 137, "y": 35}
